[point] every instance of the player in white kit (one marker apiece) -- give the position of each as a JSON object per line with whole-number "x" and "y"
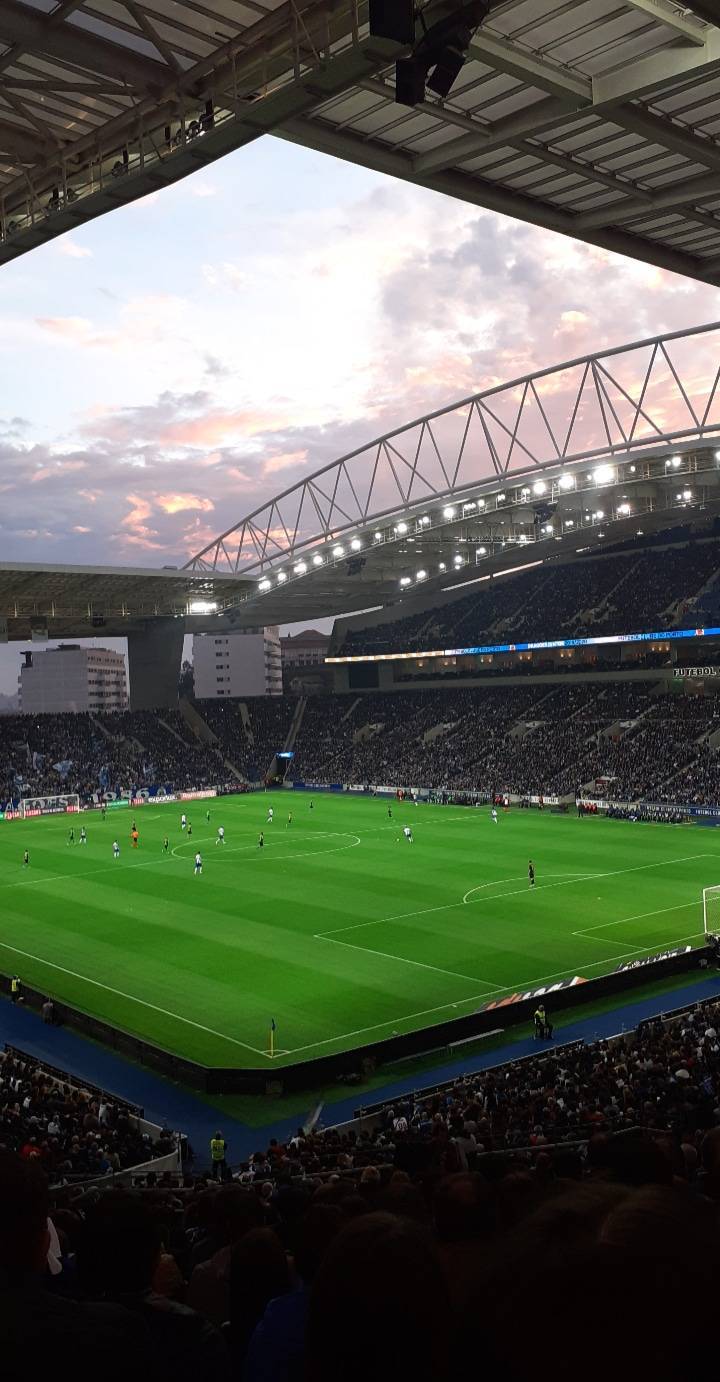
{"x": 183, "y": 822}
{"x": 116, "y": 850}
{"x": 270, "y": 815}
{"x": 493, "y": 813}
{"x": 407, "y": 832}
{"x": 220, "y": 835}
{"x": 198, "y": 863}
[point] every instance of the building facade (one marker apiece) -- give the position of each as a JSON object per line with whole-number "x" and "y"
{"x": 72, "y": 678}
{"x": 306, "y": 649}
{"x": 238, "y": 664}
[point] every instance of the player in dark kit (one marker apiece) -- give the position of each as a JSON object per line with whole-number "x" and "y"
{"x": 531, "y": 873}
{"x": 166, "y": 845}
{"x": 189, "y": 830}
{"x": 261, "y": 841}
{"x": 26, "y": 860}
{"x": 389, "y": 813}
{"x": 71, "y": 837}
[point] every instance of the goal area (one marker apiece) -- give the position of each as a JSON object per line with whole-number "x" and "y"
{"x": 50, "y": 806}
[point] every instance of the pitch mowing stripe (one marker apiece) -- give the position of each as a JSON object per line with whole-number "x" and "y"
{"x": 133, "y": 998}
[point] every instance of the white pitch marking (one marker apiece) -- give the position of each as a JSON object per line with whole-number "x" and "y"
{"x": 579, "y": 878}
{"x": 365, "y": 950}
{"x": 131, "y": 996}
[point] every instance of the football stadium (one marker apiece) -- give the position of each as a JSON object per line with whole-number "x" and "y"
{"x": 360, "y": 872}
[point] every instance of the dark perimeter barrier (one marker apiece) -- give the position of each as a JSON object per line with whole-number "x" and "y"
{"x": 353, "y": 1065}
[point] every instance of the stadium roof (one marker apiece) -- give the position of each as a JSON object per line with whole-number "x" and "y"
{"x": 599, "y": 118}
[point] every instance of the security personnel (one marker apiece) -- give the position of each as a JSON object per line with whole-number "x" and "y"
{"x": 15, "y": 987}
{"x": 218, "y": 1148}
{"x": 543, "y": 1028}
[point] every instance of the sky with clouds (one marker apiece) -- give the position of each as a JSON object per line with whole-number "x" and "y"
{"x": 168, "y": 367}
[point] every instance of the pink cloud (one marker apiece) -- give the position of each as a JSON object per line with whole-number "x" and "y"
{"x": 77, "y": 331}
{"x": 177, "y": 503}
{"x": 285, "y": 461}
{"x": 213, "y": 428}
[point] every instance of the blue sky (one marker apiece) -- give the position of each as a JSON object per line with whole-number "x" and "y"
{"x": 170, "y": 366}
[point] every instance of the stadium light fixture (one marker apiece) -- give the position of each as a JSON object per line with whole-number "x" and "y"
{"x": 676, "y": 462}
{"x": 401, "y": 528}
{"x": 524, "y": 492}
{"x": 523, "y": 537}
{"x": 377, "y": 537}
{"x": 623, "y": 510}
{"x": 338, "y": 551}
{"x": 317, "y": 560}
{"x": 282, "y": 576}
{"x": 599, "y": 513}
{"x": 449, "y": 511}
{"x": 500, "y": 498}
{"x": 604, "y": 475}
{"x": 424, "y": 520}
{"x": 356, "y": 544}
{"x": 569, "y": 523}
{"x": 687, "y": 494}
{"x": 633, "y": 469}
{"x": 482, "y": 551}
{"x": 404, "y": 580}
{"x": 264, "y": 584}
{"x": 717, "y": 456}
{"x": 300, "y": 568}
{"x": 421, "y": 575}
{"x": 442, "y": 566}
{"x": 539, "y": 487}
{"x": 202, "y": 607}
{"x": 481, "y": 503}
{"x": 548, "y": 528}
{"x": 566, "y": 482}
{"x": 469, "y": 506}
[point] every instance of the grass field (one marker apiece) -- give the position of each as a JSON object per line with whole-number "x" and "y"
{"x": 338, "y": 929}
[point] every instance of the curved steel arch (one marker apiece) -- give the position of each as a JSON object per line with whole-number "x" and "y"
{"x": 650, "y": 394}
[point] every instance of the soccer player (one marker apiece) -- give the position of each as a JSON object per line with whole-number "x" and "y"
{"x": 198, "y": 863}
{"x": 289, "y": 820}
{"x": 220, "y": 835}
{"x": 83, "y": 835}
{"x": 531, "y": 873}
{"x": 261, "y": 841}
{"x": 183, "y": 822}
{"x": 389, "y": 813}
{"x": 493, "y": 814}
{"x": 207, "y": 817}
{"x": 26, "y": 860}
{"x": 189, "y": 830}
{"x": 134, "y": 837}
{"x": 407, "y": 832}
{"x": 103, "y": 812}
{"x": 71, "y": 836}
{"x": 116, "y": 850}
{"x": 312, "y": 805}
{"x": 166, "y": 845}
{"x": 270, "y": 814}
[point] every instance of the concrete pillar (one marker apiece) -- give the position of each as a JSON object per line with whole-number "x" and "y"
{"x": 154, "y": 656}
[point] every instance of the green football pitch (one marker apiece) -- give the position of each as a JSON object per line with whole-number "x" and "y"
{"x": 338, "y": 929}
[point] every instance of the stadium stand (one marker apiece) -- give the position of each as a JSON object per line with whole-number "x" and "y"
{"x": 527, "y": 738}
{"x": 617, "y": 593}
{"x": 587, "y": 1174}
{"x": 70, "y": 1129}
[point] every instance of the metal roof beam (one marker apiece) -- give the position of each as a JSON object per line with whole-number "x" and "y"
{"x": 500, "y": 135}
{"x": 20, "y": 142}
{"x": 504, "y": 56}
{"x": 672, "y": 18}
{"x": 677, "y": 194}
{"x": 662, "y": 69}
{"x": 704, "y": 9}
{"x": 32, "y": 33}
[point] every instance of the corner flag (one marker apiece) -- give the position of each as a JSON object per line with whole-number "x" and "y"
{"x": 272, "y": 1036}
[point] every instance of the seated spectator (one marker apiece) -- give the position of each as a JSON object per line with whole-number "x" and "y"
{"x": 118, "y": 1253}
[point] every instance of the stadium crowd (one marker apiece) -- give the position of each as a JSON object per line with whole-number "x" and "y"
{"x": 518, "y": 1213}
{"x": 617, "y": 593}
{"x": 68, "y": 1129}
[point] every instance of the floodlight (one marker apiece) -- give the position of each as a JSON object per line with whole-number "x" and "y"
{"x": 401, "y": 528}
{"x": 264, "y": 584}
{"x": 356, "y": 544}
{"x": 687, "y": 494}
{"x": 202, "y": 607}
{"x": 566, "y": 482}
{"x": 441, "y": 566}
{"x": 377, "y": 537}
{"x": 482, "y": 551}
{"x": 317, "y": 560}
{"x": 599, "y": 513}
{"x": 539, "y": 487}
{"x": 424, "y": 520}
{"x": 500, "y": 497}
{"x": 624, "y": 509}
{"x": 569, "y": 523}
{"x": 404, "y": 580}
{"x": 604, "y": 475}
{"x": 338, "y": 551}
{"x": 300, "y": 568}
{"x": 449, "y": 512}
{"x": 421, "y": 575}
{"x": 676, "y": 462}
{"x": 282, "y": 576}
{"x": 470, "y": 505}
